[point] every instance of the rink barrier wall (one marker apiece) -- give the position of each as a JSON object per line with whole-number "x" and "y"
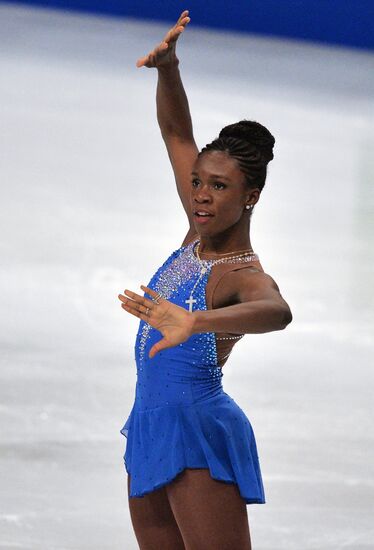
{"x": 343, "y": 22}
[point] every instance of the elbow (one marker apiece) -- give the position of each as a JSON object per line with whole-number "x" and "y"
{"x": 285, "y": 317}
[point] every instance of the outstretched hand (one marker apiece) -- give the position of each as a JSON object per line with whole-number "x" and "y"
{"x": 174, "y": 322}
{"x": 165, "y": 51}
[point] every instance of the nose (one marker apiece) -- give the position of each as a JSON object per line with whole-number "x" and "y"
{"x": 202, "y": 195}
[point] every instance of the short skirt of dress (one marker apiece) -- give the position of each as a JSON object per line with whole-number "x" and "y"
{"x": 213, "y": 434}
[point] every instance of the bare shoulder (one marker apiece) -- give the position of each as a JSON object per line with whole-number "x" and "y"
{"x": 245, "y": 285}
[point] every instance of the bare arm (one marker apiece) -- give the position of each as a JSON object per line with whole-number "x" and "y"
{"x": 175, "y": 123}
{"x": 173, "y": 113}
{"x": 261, "y": 308}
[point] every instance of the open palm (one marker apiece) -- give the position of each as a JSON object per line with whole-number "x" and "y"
{"x": 174, "y": 322}
{"x": 164, "y": 52}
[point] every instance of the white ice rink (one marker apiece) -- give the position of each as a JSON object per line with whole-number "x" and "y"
{"x": 89, "y": 207}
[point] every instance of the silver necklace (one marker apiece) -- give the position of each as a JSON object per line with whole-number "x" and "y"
{"x": 247, "y": 256}
{"x": 247, "y": 250}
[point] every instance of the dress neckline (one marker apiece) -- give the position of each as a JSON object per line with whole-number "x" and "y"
{"x": 245, "y": 259}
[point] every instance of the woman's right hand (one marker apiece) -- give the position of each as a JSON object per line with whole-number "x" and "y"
{"x": 164, "y": 53}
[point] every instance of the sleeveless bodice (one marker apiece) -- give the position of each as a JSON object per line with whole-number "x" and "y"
{"x": 195, "y": 361}
{"x": 190, "y": 363}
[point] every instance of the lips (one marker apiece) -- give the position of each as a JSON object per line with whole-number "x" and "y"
{"x": 202, "y": 216}
{"x": 202, "y": 213}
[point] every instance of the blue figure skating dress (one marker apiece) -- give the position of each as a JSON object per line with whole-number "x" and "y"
{"x": 181, "y": 417}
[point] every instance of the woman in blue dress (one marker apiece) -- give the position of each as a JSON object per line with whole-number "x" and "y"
{"x": 191, "y": 454}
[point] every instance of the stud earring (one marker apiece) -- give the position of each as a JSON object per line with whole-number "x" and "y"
{"x": 249, "y": 206}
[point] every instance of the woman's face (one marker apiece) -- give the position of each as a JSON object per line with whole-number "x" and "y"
{"x": 218, "y": 187}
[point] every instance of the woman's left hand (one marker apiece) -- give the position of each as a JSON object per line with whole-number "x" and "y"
{"x": 174, "y": 322}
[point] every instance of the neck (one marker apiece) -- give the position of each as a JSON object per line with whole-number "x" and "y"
{"x": 224, "y": 243}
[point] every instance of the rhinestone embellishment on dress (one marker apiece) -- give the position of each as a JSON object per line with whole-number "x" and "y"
{"x": 175, "y": 279}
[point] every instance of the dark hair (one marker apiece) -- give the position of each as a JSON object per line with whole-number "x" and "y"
{"x": 251, "y": 144}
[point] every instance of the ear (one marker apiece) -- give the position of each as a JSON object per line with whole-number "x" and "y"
{"x": 253, "y": 195}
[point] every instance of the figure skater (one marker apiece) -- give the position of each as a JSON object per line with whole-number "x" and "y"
{"x": 191, "y": 455}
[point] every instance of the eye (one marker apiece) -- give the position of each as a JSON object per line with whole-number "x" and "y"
{"x": 195, "y": 181}
{"x": 220, "y": 185}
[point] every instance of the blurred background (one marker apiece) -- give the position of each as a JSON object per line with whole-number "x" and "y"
{"x": 89, "y": 207}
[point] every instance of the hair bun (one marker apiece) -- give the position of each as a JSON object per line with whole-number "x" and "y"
{"x": 254, "y": 133}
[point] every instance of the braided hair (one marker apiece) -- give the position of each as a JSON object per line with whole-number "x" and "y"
{"x": 251, "y": 145}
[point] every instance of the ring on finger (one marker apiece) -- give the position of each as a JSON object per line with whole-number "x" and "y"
{"x": 147, "y": 311}
{"x": 156, "y": 299}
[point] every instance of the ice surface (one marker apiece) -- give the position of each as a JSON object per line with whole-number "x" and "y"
{"x": 88, "y": 208}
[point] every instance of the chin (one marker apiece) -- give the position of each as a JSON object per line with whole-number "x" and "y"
{"x": 203, "y": 231}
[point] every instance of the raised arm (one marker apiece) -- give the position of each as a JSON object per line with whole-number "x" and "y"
{"x": 173, "y": 113}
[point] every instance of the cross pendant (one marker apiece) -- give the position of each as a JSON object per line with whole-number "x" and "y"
{"x": 190, "y": 301}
